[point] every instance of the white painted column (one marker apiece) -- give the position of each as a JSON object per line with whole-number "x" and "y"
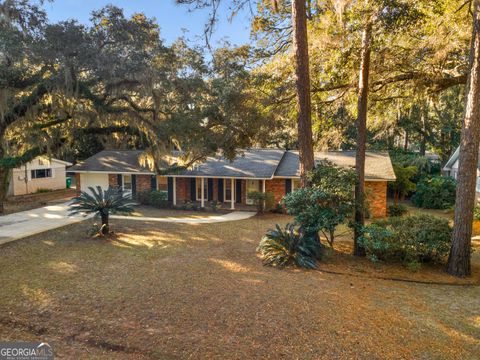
{"x": 202, "y": 192}
{"x": 174, "y": 191}
{"x": 263, "y": 185}
{"x": 232, "y": 191}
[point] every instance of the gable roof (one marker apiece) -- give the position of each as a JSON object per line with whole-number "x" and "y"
{"x": 252, "y": 163}
{"x": 377, "y": 164}
{"x": 114, "y": 161}
{"x": 452, "y": 160}
{"x": 66, "y": 163}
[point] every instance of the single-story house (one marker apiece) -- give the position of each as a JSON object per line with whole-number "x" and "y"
{"x": 42, "y": 173}
{"x": 218, "y": 179}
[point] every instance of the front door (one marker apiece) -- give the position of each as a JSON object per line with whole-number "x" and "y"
{"x": 252, "y": 185}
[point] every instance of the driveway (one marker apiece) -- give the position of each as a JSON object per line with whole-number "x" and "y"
{"x": 22, "y": 224}
{"x": 25, "y": 223}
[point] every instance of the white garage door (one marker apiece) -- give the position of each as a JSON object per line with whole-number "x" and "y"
{"x": 93, "y": 180}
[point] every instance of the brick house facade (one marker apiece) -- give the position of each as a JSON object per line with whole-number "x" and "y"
{"x": 274, "y": 171}
{"x": 376, "y": 192}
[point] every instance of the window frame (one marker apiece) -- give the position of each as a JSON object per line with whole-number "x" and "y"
{"x": 34, "y": 173}
{"x": 232, "y": 191}
{"x": 124, "y": 182}
{"x": 166, "y": 183}
{"x": 198, "y": 190}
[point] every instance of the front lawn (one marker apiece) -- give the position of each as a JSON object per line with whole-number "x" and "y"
{"x": 168, "y": 291}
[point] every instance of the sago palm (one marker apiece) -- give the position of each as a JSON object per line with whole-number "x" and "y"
{"x": 283, "y": 247}
{"x": 102, "y": 203}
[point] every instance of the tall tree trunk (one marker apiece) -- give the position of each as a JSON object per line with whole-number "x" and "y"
{"x": 4, "y": 175}
{"x": 302, "y": 82}
{"x": 459, "y": 257}
{"x": 423, "y": 142}
{"x": 405, "y": 144}
{"x": 362, "y": 138}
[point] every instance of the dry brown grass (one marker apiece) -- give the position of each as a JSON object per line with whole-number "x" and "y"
{"x": 175, "y": 291}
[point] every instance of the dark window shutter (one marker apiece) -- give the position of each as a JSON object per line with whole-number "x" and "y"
{"x": 119, "y": 180}
{"x": 210, "y": 189}
{"x": 134, "y": 184}
{"x": 220, "y": 190}
{"x": 170, "y": 189}
{"x": 153, "y": 182}
{"x": 238, "y": 191}
{"x": 193, "y": 189}
{"x": 288, "y": 186}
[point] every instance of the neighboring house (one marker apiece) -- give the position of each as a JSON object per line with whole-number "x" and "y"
{"x": 42, "y": 173}
{"x": 217, "y": 179}
{"x": 451, "y": 169}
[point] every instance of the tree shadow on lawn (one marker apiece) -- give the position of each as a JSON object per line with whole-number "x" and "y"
{"x": 157, "y": 284}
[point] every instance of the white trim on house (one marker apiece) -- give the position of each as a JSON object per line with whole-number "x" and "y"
{"x": 66, "y": 163}
{"x": 232, "y": 191}
{"x": 114, "y": 172}
{"x": 298, "y": 178}
{"x": 219, "y": 177}
{"x": 202, "y": 189}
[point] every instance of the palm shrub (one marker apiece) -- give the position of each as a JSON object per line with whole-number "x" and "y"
{"x": 102, "y": 203}
{"x": 283, "y": 247}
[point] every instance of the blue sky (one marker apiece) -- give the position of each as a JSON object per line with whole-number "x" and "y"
{"x": 171, "y": 18}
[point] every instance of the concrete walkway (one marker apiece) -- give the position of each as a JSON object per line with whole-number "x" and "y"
{"x": 22, "y": 224}
{"x": 233, "y": 216}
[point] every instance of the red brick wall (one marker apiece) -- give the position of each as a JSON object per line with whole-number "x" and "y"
{"x": 144, "y": 182}
{"x": 277, "y": 187}
{"x": 77, "y": 183}
{"x": 244, "y": 191}
{"x": 183, "y": 189}
{"x": 215, "y": 189}
{"x": 112, "y": 180}
{"x": 376, "y": 192}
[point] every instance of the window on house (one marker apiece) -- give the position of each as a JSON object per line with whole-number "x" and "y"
{"x": 478, "y": 183}
{"x": 162, "y": 183}
{"x": 127, "y": 182}
{"x": 227, "y": 190}
{"x": 41, "y": 173}
{"x": 199, "y": 189}
{"x": 295, "y": 184}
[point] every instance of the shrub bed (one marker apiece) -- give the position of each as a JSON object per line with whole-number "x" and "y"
{"x": 412, "y": 240}
{"x": 437, "y": 192}
{"x": 158, "y": 199}
{"x": 397, "y": 210}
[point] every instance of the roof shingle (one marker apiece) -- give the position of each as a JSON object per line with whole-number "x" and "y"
{"x": 377, "y": 164}
{"x": 114, "y": 161}
{"x": 252, "y": 164}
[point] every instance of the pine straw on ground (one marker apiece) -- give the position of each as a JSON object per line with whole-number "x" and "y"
{"x": 176, "y": 291}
